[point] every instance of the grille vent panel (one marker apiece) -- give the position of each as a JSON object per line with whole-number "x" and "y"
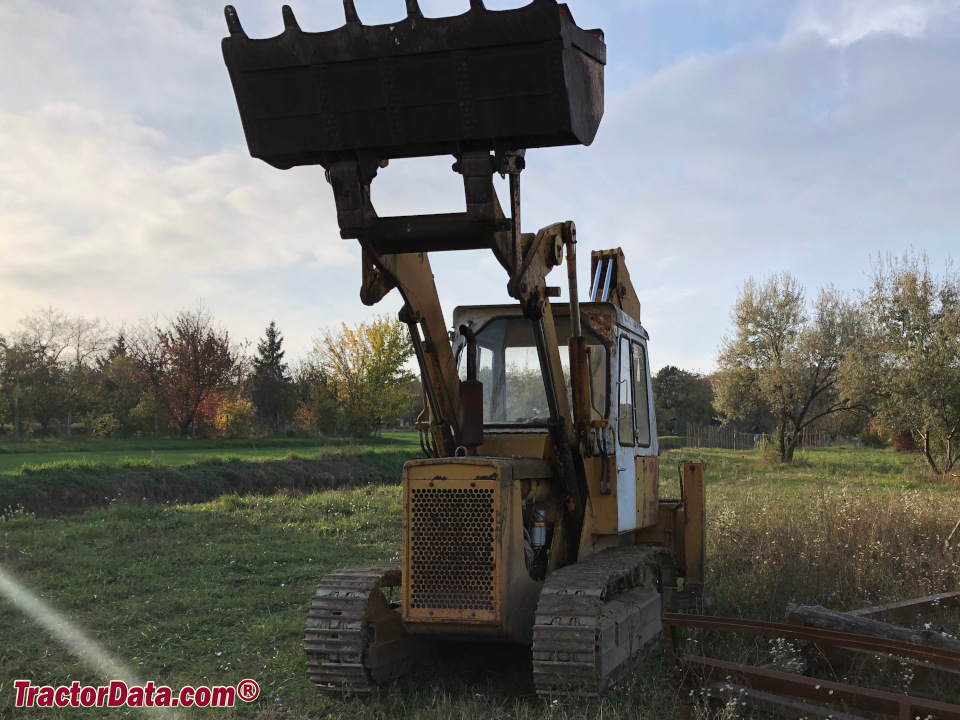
{"x": 453, "y": 549}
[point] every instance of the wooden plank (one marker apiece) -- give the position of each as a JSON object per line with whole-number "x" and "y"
{"x": 821, "y": 617}
{"x": 911, "y": 609}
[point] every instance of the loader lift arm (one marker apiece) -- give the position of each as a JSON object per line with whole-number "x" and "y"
{"x": 482, "y": 86}
{"x": 395, "y": 255}
{"x": 526, "y": 539}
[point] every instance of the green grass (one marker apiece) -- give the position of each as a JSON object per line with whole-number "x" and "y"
{"x": 217, "y": 591}
{"x": 80, "y": 480}
{"x": 814, "y": 467}
{"x": 176, "y": 452}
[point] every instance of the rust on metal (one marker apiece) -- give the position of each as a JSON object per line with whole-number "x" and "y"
{"x": 453, "y": 565}
{"x": 851, "y": 697}
{"x": 693, "y": 477}
{"x": 578, "y": 648}
{"x": 850, "y": 641}
{"x": 690, "y": 671}
{"x": 354, "y": 639}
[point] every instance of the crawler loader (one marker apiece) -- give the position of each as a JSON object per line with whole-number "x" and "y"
{"x": 535, "y": 517}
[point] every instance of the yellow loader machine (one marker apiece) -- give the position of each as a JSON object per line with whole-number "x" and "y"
{"x": 536, "y": 517}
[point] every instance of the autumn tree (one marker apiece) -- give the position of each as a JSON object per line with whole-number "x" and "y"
{"x": 681, "y": 396}
{"x": 364, "y": 369}
{"x": 785, "y": 359}
{"x": 315, "y": 397}
{"x": 909, "y": 365}
{"x": 271, "y": 383}
{"x": 185, "y": 363}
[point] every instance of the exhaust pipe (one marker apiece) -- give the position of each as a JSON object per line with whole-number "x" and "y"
{"x": 471, "y": 399}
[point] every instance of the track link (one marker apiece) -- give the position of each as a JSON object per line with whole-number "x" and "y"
{"x": 355, "y": 641}
{"x": 595, "y": 619}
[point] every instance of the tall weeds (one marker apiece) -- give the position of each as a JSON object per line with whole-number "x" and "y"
{"x": 842, "y": 546}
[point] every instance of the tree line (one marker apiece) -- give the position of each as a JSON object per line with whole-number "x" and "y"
{"x": 185, "y": 375}
{"x": 884, "y": 364}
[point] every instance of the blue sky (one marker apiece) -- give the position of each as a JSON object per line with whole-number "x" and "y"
{"x": 740, "y": 138}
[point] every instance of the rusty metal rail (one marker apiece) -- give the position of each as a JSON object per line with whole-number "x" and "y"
{"x": 850, "y": 641}
{"x": 694, "y": 672}
{"x": 916, "y": 607}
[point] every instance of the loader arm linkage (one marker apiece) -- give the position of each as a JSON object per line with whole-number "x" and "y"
{"x": 548, "y": 530}
{"x": 483, "y": 87}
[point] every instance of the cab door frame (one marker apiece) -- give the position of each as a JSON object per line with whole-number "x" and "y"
{"x": 635, "y": 434}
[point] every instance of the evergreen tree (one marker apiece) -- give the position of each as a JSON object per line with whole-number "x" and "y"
{"x": 271, "y": 381}
{"x": 118, "y": 348}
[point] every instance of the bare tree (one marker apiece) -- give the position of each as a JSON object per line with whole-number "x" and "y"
{"x": 88, "y": 341}
{"x": 47, "y": 332}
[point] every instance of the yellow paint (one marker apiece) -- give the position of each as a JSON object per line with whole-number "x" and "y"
{"x": 648, "y": 490}
{"x": 463, "y": 505}
{"x": 603, "y": 504}
{"x": 516, "y": 446}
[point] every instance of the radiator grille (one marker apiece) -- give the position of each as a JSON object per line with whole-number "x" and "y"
{"x": 453, "y": 550}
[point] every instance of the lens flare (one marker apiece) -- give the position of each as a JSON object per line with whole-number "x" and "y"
{"x": 60, "y": 628}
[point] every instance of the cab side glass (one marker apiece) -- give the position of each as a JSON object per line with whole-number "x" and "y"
{"x": 625, "y": 402}
{"x": 642, "y": 400}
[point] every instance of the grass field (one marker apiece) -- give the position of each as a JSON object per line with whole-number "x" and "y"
{"x": 215, "y": 592}
{"x": 35, "y": 454}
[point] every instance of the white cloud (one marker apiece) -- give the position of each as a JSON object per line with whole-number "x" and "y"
{"x": 843, "y": 22}
{"x": 126, "y": 189}
{"x": 797, "y": 155}
{"x": 94, "y": 210}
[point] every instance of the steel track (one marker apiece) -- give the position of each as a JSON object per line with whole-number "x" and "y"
{"x": 578, "y": 604}
{"x": 354, "y": 640}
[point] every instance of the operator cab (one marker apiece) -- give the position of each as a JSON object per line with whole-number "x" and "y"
{"x": 622, "y": 439}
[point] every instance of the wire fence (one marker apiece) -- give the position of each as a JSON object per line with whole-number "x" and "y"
{"x": 712, "y": 436}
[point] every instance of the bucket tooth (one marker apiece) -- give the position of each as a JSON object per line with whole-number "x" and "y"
{"x": 350, "y": 10}
{"x": 289, "y": 20}
{"x": 233, "y": 21}
{"x": 419, "y": 87}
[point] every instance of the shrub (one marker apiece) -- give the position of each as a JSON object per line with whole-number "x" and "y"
{"x": 102, "y": 426}
{"x": 873, "y": 439}
{"x": 768, "y": 450}
{"x": 672, "y": 442}
{"x": 234, "y": 418}
{"x": 904, "y": 442}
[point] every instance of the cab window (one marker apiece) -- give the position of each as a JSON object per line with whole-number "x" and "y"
{"x": 509, "y": 368}
{"x": 625, "y": 392}
{"x": 641, "y": 402}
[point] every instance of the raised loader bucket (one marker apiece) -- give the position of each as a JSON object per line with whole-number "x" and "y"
{"x": 483, "y": 80}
